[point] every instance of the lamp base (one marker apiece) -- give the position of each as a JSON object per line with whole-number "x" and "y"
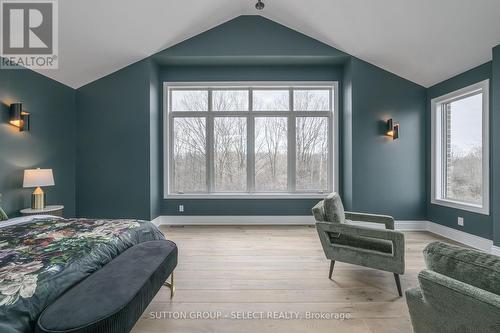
{"x": 38, "y": 199}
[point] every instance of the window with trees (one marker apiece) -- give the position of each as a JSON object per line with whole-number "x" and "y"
{"x": 250, "y": 139}
{"x": 460, "y": 174}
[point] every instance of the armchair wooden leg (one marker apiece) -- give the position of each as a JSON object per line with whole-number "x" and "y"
{"x": 170, "y": 285}
{"x": 332, "y": 263}
{"x": 398, "y": 284}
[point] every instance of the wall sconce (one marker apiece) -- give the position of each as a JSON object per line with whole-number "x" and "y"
{"x": 392, "y": 129}
{"x": 18, "y": 117}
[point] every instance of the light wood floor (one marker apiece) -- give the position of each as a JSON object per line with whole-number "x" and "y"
{"x": 232, "y": 270}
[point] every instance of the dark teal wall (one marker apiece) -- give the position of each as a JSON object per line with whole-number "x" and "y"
{"x": 251, "y": 73}
{"x": 250, "y": 39}
{"x": 345, "y": 147}
{"x": 395, "y": 168}
{"x": 477, "y": 224}
{"x": 495, "y": 145}
{"x": 388, "y": 176}
{"x": 256, "y": 49}
{"x": 49, "y": 144}
{"x": 155, "y": 141}
{"x": 113, "y": 145}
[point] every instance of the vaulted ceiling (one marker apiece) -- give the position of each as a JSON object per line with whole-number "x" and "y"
{"x": 425, "y": 41}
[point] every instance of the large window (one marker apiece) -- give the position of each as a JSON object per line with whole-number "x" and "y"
{"x": 250, "y": 139}
{"x": 460, "y": 174}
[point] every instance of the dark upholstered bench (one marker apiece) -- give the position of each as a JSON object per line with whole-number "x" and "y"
{"x": 113, "y": 298}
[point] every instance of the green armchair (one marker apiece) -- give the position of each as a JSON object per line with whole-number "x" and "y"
{"x": 382, "y": 249}
{"x": 459, "y": 291}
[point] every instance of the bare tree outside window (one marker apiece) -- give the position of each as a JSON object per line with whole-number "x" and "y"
{"x": 189, "y": 100}
{"x": 271, "y": 100}
{"x": 312, "y": 153}
{"x": 271, "y": 154}
{"x": 464, "y": 149}
{"x": 311, "y": 100}
{"x": 230, "y": 154}
{"x": 230, "y": 100}
{"x": 190, "y": 155}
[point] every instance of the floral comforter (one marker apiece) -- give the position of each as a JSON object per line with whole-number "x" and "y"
{"x": 40, "y": 260}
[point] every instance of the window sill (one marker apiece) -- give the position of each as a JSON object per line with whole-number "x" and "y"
{"x": 248, "y": 196}
{"x": 462, "y": 206}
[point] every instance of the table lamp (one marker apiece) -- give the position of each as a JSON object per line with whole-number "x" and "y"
{"x": 37, "y": 178}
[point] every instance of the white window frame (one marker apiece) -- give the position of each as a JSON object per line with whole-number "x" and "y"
{"x": 333, "y": 127}
{"x": 437, "y": 152}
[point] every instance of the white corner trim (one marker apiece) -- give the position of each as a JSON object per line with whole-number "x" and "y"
{"x": 495, "y": 250}
{"x": 450, "y": 233}
{"x": 156, "y": 221}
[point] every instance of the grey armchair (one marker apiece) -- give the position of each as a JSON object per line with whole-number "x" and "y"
{"x": 458, "y": 292}
{"x": 382, "y": 249}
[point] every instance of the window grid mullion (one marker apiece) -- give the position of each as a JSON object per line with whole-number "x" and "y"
{"x": 250, "y": 145}
{"x": 445, "y": 149}
{"x": 171, "y": 175}
{"x": 210, "y": 135}
{"x": 291, "y": 149}
{"x": 332, "y": 133}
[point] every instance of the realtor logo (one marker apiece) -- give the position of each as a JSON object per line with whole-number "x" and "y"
{"x": 29, "y": 34}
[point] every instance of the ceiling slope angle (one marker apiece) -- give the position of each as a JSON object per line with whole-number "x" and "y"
{"x": 425, "y": 41}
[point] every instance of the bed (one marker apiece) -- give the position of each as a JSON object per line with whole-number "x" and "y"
{"x": 43, "y": 256}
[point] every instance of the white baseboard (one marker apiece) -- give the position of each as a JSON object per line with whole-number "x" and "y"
{"x": 450, "y": 233}
{"x": 157, "y": 221}
{"x": 234, "y": 220}
{"x": 477, "y": 242}
{"x": 495, "y": 250}
{"x": 411, "y": 225}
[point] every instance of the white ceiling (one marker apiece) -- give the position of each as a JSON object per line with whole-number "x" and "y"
{"x": 426, "y": 41}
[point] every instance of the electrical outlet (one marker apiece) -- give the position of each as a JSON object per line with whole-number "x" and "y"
{"x": 460, "y": 221}
{"x": 181, "y": 208}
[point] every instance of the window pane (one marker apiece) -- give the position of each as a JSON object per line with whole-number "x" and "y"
{"x": 230, "y": 154}
{"x": 464, "y": 149}
{"x": 311, "y": 100}
{"x": 271, "y": 154}
{"x": 189, "y": 160}
{"x": 271, "y": 100}
{"x": 230, "y": 100}
{"x": 312, "y": 153}
{"x": 189, "y": 100}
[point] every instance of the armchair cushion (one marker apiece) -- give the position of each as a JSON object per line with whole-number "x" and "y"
{"x": 479, "y": 269}
{"x": 366, "y": 243}
{"x": 319, "y": 211}
{"x": 334, "y": 209}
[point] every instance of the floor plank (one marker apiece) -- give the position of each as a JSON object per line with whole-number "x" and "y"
{"x": 248, "y": 278}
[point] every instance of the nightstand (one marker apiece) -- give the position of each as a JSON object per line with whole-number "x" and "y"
{"x": 56, "y": 210}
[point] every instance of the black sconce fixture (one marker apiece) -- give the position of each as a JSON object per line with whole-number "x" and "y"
{"x": 18, "y": 117}
{"x": 392, "y": 129}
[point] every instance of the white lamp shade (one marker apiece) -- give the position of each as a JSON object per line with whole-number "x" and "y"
{"x": 38, "y": 177}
